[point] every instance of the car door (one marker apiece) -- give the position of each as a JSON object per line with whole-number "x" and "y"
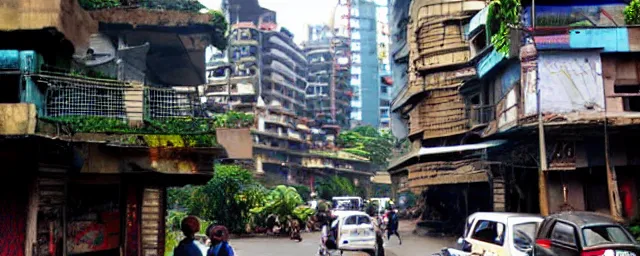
{"x": 564, "y": 240}
{"x": 488, "y": 237}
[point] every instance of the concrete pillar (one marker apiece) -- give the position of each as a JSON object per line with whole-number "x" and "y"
{"x": 134, "y": 105}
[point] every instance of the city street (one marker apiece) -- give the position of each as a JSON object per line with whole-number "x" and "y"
{"x": 412, "y": 245}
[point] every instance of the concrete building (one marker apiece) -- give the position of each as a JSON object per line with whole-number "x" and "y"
{"x": 95, "y": 155}
{"x": 383, "y": 37}
{"x": 329, "y": 91}
{"x": 356, "y": 20}
{"x": 555, "y": 105}
{"x": 288, "y": 90}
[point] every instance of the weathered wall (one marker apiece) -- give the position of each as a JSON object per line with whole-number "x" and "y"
{"x": 65, "y": 15}
{"x": 620, "y": 70}
{"x": 568, "y": 82}
{"x": 435, "y": 42}
{"x": 441, "y": 113}
{"x": 237, "y": 142}
{"x": 17, "y": 119}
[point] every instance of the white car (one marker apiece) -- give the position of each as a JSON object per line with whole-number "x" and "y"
{"x": 493, "y": 234}
{"x": 354, "y": 231}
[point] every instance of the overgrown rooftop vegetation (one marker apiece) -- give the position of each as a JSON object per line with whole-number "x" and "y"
{"x": 216, "y": 18}
{"x": 173, "y": 132}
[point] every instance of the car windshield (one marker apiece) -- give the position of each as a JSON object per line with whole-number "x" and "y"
{"x": 599, "y": 235}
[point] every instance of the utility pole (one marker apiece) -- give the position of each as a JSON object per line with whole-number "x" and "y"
{"x": 542, "y": 169}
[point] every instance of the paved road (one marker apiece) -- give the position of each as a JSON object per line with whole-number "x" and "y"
{"x": 412, "y": 245}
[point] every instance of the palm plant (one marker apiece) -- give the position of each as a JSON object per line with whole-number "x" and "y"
{"x": 284, "y": 203}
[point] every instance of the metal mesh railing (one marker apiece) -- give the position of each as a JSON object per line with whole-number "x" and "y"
{"x": 78, "y": 96}
{"x": 70, "y": 96}
{"x": 163, "y": 103}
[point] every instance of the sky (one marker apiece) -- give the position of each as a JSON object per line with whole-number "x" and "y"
{"x": 295, "y": 15}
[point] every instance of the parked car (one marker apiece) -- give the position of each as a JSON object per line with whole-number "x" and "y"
{"x": 583, "y": 234}
{"x": 352, "y": 231}
{"x": 496, "y": 234}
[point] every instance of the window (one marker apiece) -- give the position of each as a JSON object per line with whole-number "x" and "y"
{"x": 384, "y": 89}
{"x": 605, "y": 235}
{"x": 634, "y": 88}
{"x": 363, "y": 220}
{"x": 563, "y": 233}
{"x": 489, "y": 232}
{"x": 631, "y": 104}
{"x": 527, "y": 228}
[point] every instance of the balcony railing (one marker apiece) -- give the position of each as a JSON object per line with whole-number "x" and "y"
{"x": 479, "y": 115}
{"x": 71, "y": 96}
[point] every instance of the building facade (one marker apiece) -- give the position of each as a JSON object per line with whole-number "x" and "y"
{"x": 98, "y": 135}
{"x": 551, "y": 105}
{"x": 329, "y": 92}
{"x": 384, "y": 61}
{"x": 300, "y": 98}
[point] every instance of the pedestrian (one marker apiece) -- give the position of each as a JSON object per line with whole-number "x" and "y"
{"x": 187, "y": 247}
{"x": 219, "y": 236}
{"x": 394, "y": 222}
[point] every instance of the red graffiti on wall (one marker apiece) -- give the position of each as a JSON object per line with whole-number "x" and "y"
{"x": 132, "y": 222}
{"x": 12, "y": 225}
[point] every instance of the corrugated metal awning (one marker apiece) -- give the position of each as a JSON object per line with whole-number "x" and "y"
{"x": 445, "y": 150}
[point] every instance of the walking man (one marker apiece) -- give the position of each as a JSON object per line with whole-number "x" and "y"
{"x": 394, "y": 222}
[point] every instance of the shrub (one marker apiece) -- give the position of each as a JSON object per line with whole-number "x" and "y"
{"x": 632, "y": 13}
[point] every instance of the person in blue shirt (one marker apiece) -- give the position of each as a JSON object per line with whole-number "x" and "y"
{"x": 187, "y": 247}
{"x": 219, "y": 236}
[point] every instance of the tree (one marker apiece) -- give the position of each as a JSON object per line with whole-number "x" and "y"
{"x": 227, "y": 197}
{"x": 368, "y": 142}
{"x": 335, "y": 186}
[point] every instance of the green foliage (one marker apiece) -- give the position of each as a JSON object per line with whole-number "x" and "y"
{"x": 219, "y": 38}
{"x": 502, "y": 16}
{"x": 179, "y": 197}
{"x": 182, "y": 125}
{"x": 285, "y": 203}
{"x": 632, "y": 13}
{"x": 303, "y": 212}
{"x": 174, "y": 219}
{"x": 368, "y": 142}
{"x": 176, "y": 5}
{"x": 227, "y": 197}
{"x": 98, "y": 4}
{"x": 635, "y": 231}
{"x": 335, "y": 186}
{"x": 304, "y": 191}
{"x": 234, "y": 119}
{"x": 171, "y": 241}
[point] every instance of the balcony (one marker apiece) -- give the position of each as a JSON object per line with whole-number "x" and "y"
{"x": 480, "y": 115}
{"x": 123, "y": 113}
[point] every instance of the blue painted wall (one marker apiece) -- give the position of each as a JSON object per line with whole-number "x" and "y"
{"x": 9, "y": 59}
{"x": 489, "y": 62}
{"x": 30, "y": 63}
{"x": 610, "y": 39}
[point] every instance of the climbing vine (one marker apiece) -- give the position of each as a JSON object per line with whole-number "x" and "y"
{"x": 632, "y": 13}
{"x": 219, "y": 22}
{"x": 503, "y": 15}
